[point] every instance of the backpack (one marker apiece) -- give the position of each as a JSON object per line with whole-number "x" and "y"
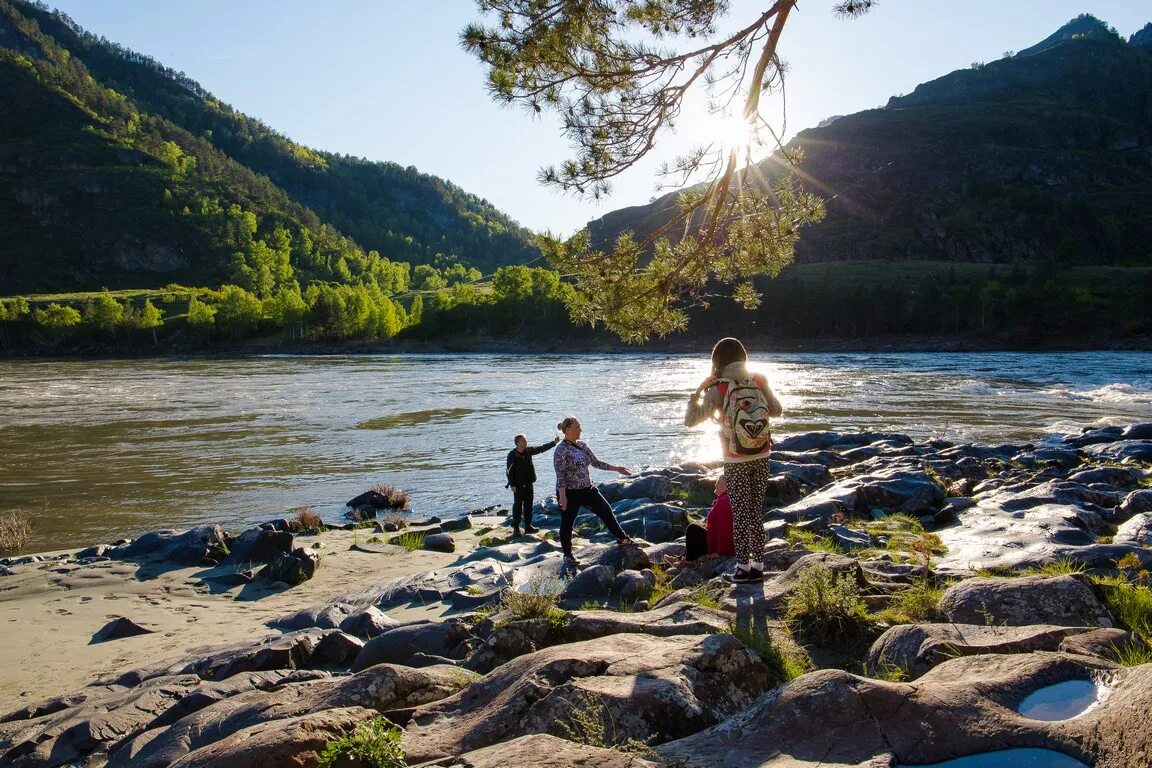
{"x": 744, "y": 428}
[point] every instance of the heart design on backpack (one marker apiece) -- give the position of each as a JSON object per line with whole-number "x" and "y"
{"x": 754, "y": 426}
{"x": 744, "y": 427}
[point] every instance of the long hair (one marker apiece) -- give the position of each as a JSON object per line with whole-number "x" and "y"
{"x": 728, "y": 350}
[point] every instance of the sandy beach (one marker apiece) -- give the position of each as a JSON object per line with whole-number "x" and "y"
{"x": 50, "y": 611}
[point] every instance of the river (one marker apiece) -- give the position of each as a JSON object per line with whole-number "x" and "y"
{"x": 98, "y": 450}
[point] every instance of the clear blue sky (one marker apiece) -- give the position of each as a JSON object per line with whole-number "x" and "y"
{"x": 387, "y": 79}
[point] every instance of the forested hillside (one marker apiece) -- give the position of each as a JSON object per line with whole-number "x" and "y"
{"x": 118, "y": 172}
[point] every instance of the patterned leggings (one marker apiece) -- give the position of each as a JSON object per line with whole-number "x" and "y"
{"x": 747, "y": 484}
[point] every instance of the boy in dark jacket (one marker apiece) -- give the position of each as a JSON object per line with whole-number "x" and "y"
{"x": 521, "y": 475}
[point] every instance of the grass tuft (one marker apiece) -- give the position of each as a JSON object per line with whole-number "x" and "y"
{"x": 916, "y": 604}
{"x": 15, "y": 530}
{"x": 1128, "y": 602}
{"x": 397, "y": 498}
{"x": 826, "y": 607}
{"x": 410, "y": 540}
{"x": 538, "y": 598}
{"x": 813, "y": 542}
{"x": 1061, "y": 566}
{"x": 308, "y": 518}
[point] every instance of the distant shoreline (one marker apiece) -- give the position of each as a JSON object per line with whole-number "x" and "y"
{"x": 679, "y": 345}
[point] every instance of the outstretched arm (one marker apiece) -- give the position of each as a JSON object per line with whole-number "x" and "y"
{"x": 605, "y": 465}
{"x": 545, "y": 447}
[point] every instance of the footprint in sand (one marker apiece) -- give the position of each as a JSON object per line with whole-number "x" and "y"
{"x": 85, "y": 600}
{"x": 62, "y": 612}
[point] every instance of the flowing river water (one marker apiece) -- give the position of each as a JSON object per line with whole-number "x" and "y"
{"x": 97, "y": 450}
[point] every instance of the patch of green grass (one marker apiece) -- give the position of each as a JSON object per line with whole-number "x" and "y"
{"x": 589, "y": 721}
{"x": 813, "y": 541}
{"x": 826, "y": 607}
{"x": 704, "y": 596}
{"x": 474, "y": 589}
{"x": 1001, "y": 572}
{"x": 916, "y": 604}
{"x": 374, "y": 744}
{"x": 1133, "y": 654}
{"x": 1128, "y": 602}
{"x": 783, "y": 656}
{"x": 492, "y": 541}
{"x": 893, "y": 673}
{"x": 410, "y": 540}
{"x": 1061, "y": 566}
{"x": 661, "y": 588}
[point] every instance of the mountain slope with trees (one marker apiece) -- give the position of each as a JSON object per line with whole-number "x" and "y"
{"x": 116, "y": 171}
{"x": 1043, "y": 156}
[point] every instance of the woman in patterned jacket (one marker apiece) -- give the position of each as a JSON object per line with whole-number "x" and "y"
{"x": 574, "y": 487}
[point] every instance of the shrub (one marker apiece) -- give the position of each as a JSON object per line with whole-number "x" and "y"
{"x": 307, "y": 518}
{"x": 590, "y": 722}
{"x": 15, "y": 530}
{"x": 397, "y": 498}
{"x": 374, "y": 744}
{"x": 782, "y": 655}
{"x": 661, "y": 588}
{"x": 826, "y": 607}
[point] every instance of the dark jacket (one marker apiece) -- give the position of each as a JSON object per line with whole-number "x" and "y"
{"x": 520, "y": 470}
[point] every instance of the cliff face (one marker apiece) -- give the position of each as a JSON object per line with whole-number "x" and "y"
{"x": 1044, "y": 155}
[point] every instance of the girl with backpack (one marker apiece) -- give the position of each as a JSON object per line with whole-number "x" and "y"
{"x": 742, "y": 403}
{"x": 574, "y": 487}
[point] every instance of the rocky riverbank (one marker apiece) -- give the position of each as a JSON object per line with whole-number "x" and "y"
{"x": 920, "y": 595}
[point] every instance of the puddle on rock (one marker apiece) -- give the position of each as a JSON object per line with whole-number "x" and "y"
{"x": 1062, "y": 701}
{"x": 1029, "y": 757}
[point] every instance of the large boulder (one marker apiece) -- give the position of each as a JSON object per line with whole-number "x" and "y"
{"x": 204, "y": 545}
{"x": 295, "y": 741}
{"x": 368, "y": 623}
{"x": 292, "y": 568}
{"x": 399, "y": 645}
{"x": 1136, "y": 530}
{"x": 523, "y": 636}
{"x": 1064, "y": 601}
{"x": 259, "y": 545}
{"x": 917, "y": 648}
{"x": 647, "y": 688}
{"x": 380, "y": 688}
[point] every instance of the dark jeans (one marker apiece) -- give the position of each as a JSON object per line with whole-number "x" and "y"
{"x": 593, "y": 500}
{"x": 522, "y": 505}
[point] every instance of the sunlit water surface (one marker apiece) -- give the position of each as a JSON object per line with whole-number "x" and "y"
{"x": 93, "y": 451}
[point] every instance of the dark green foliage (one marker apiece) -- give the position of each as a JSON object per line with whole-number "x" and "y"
{"x": 375, "y": 744}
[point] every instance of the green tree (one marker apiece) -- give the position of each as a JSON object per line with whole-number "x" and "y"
{"x": 57, "y": 316}
{"x": 104, "y": 314}
{"x": 150, "y": 318}
{"x": 612, "y": 73}
{"x": 238, "y": 312}
{"x": 201, "y": 318}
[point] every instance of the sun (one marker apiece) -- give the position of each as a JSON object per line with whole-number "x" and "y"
{"x": 732, "y": 133}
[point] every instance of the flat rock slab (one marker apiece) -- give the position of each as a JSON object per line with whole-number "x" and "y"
{"x": 541, "y": 750}
{"x": 1027, "y": 600}
{"x": 917, "y": 648}
{"x": 380, "y": 688}
{"x": 831, "y": 717}
{"x": 648, "y": 688}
